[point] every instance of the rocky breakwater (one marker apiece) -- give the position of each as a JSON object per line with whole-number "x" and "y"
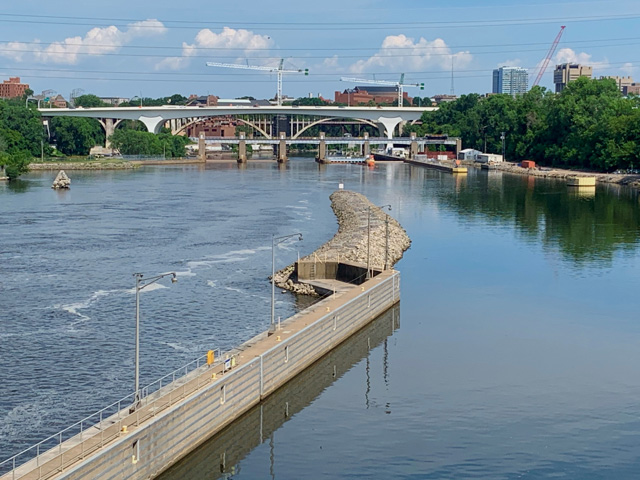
{"x": 355, "y": 214}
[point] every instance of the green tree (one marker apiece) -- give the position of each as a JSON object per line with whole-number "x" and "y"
{"x": 21, "y": 127}
{"x": 309, "y": 102}
{"x": 15, "y": 164}
{"x": 76, "y": 136}
{"x": 89, "y": 101}
{"x": 133, "y": 142}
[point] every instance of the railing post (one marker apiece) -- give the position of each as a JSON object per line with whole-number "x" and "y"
{"x": 60, "y": 452}
{"x": 261, "y": 377}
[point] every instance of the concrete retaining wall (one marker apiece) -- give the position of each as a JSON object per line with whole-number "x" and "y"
{"x": 156, "y": 444}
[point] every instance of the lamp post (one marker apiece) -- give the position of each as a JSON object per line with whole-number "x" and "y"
{"x": 276, "y": 241}
{"x": 503, "y": 137}
{"x": 369, "y": 240}
{"x": 142, "y": 283}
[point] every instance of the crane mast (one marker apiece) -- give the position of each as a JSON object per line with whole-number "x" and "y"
{"x": 547, "y": 59}
{"x": 400, "y": 85}
{"x": 279, "y": 70}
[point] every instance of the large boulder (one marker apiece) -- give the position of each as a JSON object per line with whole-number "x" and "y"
{"x": 61, "y": 181}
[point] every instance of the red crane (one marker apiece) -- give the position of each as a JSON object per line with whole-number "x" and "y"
{"x": 546, "y": 61}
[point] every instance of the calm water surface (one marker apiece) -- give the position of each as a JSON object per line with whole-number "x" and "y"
{"x": 517, "y": 357}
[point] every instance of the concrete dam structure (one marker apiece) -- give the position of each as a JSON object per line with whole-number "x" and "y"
{"x": 141, "y": 441}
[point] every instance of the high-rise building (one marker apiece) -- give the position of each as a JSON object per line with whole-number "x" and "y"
{"x": 568, "y": 72}
{"x": 510, "y": 80}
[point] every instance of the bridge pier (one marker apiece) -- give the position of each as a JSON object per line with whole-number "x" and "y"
{"x": 413, "y": 147}
{"x": 458, "y": 146}
{"x": 242, "y": 148}
{"x": 282, "y": 148}
{"x": 366, "y": 146}
{"x": 322, "y": 149}
{"x": 202, "y": 149}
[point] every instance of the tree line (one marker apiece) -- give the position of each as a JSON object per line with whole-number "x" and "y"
{"x": 23, "y": 136}
{"x": 589, "y": 125}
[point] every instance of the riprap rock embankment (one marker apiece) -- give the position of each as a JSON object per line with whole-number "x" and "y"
{"x": 353, "y": 212}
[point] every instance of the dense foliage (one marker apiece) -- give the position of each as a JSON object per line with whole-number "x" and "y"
{"x": 175, "y": 99}
{"x": 20, "y": 127}
{"x": 135, "y": 142}
{"x": 76, "y": 136}
{"x": 588, "y": 125}
{"x": 89, "y": 101}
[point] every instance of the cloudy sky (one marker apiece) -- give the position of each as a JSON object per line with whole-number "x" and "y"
{"x": 151, "y": 48}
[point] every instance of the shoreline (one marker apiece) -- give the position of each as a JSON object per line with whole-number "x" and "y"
{"x": 631, "y": 180}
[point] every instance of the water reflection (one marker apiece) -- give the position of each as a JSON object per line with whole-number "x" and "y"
{"x": 587, "y": 226}
{"x": 221, "y": 455}
{"x": 18, "y": 185}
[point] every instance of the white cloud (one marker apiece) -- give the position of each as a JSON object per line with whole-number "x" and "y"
{"x": 567, "y": 55}
{"x": 97, "y": 41}
{"x": 628, "y": 69}
{"x": 516, "y": 62}
{"x": 229, "y": 38}
{"x": 399, "y": 52}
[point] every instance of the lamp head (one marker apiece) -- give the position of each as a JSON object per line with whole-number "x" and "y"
{"x": 174, "y": 278}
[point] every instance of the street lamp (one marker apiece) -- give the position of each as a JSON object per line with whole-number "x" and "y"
{"x": 388, "y": 207}
{"x": 142, "y": 283}
{"x": 276, "y": 241}
{"x": 503, "y": 137}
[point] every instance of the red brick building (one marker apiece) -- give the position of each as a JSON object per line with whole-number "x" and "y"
{"x": 12, "y": 88}
{"x": 213, "y": 127}
{"x": 375, "y": 95}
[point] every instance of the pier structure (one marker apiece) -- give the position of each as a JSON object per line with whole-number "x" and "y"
{"x": 415, "y": 144}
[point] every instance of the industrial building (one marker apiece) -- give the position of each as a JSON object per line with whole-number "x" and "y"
{"x": 510, "y": 80}
{"x": 568, "y": 72}
{"x": 623, "y": 83}
{"x": 362, "y": 95}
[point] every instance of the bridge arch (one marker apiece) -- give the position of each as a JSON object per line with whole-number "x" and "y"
{"x": 331, "y": 119}
{"x": 196, "y": 120}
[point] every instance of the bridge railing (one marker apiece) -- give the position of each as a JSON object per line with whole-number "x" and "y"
{"x": 100, "y": 421}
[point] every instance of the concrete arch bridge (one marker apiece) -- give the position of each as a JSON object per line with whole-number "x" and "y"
{"x": 301, "y": 118}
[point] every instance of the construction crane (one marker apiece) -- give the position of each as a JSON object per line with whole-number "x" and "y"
{"x": 279, "y": 70}
{"x": 400, "y": 85}
{"x": 546, "y": 61}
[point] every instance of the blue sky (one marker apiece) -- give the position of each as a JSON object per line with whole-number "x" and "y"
{"x": 120, "y": 48}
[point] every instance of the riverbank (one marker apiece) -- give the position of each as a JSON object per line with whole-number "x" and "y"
{"x": 89, "y": 165}
{"x": 612, "y": 178}
{"x": 354, "y": 213}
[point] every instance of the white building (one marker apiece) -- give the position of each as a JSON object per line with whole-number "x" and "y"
{"x": 469, "y": 154}
{"x": 489, "y": 158}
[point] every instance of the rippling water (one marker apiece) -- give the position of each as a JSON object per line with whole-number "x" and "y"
{"x": 518, "y": 352}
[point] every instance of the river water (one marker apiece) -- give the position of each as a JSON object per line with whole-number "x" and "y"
{"x": 517, "y": 354}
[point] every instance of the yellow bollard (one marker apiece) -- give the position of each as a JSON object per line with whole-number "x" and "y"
{"x": 233, "y": 362}
{"x": 278, "y": 338}
{"x": 213, "y": 375}
{"x": 124, "y": 429}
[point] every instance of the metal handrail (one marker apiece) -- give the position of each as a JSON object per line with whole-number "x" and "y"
{"x": 84, "y": 424}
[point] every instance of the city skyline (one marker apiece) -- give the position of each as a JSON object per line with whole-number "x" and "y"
{"x": 143, "y": 49}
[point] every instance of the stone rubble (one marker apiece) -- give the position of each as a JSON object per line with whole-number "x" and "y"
{"x": 62, "y": 181}
{"x": 350, "y": 243}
